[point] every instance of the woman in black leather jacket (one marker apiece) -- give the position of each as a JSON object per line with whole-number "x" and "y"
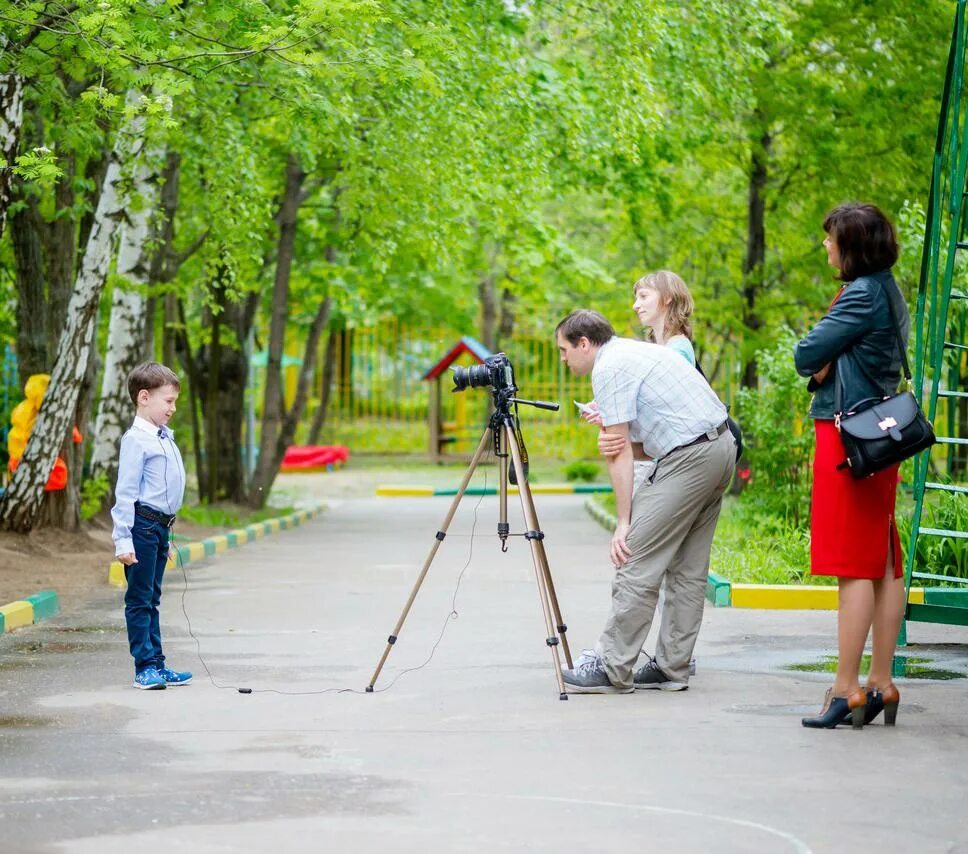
{"x": 853, "y": 535}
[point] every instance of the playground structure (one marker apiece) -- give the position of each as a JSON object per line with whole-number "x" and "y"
{"x": 382, "y": 397}
{"x": 442, "y": 433}
{"x": 939, "y": 526}
{"x": 22, "y": 419}
{"x": 314, "y": 458}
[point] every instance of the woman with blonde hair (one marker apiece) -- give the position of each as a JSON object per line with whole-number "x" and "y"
{"x": 664, "y": 307}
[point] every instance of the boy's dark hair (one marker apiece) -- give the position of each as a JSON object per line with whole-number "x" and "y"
{"x": 149, "y": 376}
{"x": 585, "y": 323}
{"x": 865, "y": 239}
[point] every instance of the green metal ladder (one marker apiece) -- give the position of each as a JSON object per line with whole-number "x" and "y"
{"x": 941, "y": 350}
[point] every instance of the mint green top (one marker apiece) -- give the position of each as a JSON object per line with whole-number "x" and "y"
{"x": 683, "y": 346}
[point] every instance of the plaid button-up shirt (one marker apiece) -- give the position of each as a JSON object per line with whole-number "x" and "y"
{"x": 665, "y": 400}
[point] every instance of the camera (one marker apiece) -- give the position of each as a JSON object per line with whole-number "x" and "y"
{"x": 496, "y": 371}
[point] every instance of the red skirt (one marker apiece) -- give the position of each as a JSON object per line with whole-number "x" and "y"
{"x": 851, "y": 521}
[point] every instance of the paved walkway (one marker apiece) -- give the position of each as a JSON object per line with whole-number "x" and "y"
{"x": 473, "y": 753}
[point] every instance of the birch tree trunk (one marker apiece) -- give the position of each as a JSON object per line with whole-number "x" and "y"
{"x": 11, "y": 118}
{"x": 126, "y": 330}
{"x": 22, "y": 500}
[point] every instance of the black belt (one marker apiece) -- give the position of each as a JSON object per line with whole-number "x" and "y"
{"x": 705, "y": 437}
{"x": 154, "y": 515}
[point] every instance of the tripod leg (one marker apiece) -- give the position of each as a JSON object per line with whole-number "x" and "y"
{"x": 542, "y": 573}
{"x": 485, "y": 441}
{"x": 527, "y": 503}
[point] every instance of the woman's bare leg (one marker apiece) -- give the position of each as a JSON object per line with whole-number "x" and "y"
{"x": 888, "y": 614}
{"x": 854, "y": 616}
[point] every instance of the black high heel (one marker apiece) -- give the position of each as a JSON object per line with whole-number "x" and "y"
{"x": 839, "y": 710}
{"x": 886, "y": 701}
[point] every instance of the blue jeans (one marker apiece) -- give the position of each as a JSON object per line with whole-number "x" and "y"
{"x": 143, "y": 596}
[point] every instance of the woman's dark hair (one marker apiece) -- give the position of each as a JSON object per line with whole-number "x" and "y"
{"x": 865, "y": 239}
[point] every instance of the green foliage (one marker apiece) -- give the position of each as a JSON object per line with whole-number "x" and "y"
{"x": 39, "y": 166}
{"x": 540, "y": 153}
{"x": 778, "y": 436}
{"x": 93, "y": 492}
{"x": 940, "y": 555}
{"x": 583, "y": 470}
{"x": 756, "y": 547}
{"x": 227, "y": 517}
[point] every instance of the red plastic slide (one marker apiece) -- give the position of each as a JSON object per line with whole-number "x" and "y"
{"x": 303, "y": 458}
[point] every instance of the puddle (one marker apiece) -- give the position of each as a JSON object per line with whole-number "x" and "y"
{"x": 907, "y": 667}
{"x": 50, "y": 646}
{"x": 93, "y": 630}
{"x": 22, "y": 722}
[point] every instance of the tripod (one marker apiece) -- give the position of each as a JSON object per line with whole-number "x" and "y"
{"x": 503, "y": 432}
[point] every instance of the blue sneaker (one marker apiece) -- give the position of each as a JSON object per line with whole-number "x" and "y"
{"x": 175, "y": 677}
{"x": 150, "y": 679}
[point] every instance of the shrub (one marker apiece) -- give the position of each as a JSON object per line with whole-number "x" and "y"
{"x": 583, "y": 470}
{"x": 940, "y": 555}
{"x": 778, "y": 435}
{"x": 93, "y": 492}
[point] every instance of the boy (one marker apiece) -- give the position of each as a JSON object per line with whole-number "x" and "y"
{"x": 151, "y": 486}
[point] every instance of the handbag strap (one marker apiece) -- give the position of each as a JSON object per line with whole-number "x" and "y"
{"x": 838, "y": 382}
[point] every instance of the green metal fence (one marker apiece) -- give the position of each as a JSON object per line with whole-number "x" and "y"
{"x": 938, "y": 546}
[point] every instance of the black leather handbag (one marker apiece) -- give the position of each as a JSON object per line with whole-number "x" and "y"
{"x": 880, "y": 432}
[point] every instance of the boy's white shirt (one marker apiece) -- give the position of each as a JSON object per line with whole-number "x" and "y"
{"x": 151, "y": 472}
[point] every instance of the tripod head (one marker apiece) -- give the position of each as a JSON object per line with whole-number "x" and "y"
{"x": 496, "y": 372}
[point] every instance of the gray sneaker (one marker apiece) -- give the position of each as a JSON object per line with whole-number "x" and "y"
{"x": 650, "y": 676}
{"x": 589, "y": 677}
{"x": 692, "y": 661}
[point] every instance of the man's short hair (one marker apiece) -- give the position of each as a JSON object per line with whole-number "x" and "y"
{"x": 585, "y": 323}
{"x": 149, "y": 376}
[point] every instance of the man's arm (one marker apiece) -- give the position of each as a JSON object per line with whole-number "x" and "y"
{"x": 621, "y": 474}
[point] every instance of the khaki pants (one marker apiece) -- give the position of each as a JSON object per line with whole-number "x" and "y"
{"x": 671, "y": 533}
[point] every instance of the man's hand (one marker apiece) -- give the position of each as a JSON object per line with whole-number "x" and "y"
{"x": 128, "y": 559}
{"x": 610, "y": 444}
{"x": 821, "y": 375}
{"x": 172, "y": 552}
{"x": 620, "y": 551}
{"x": 589, "y": 412}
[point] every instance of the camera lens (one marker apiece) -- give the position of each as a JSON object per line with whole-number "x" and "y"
{"x": 460, "y": 378}
{"x": 475, "y": 376}
{"x": 478, "y": 375}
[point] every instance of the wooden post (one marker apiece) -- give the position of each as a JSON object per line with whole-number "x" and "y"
{"x": 433, "y": 416}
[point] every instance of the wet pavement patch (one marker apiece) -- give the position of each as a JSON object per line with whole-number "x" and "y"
{"x": 88, "y": 630}
{"x": 23, "y": 722}
{"x": 56, "y": 646}
{"x": 798, "y": 710}
{"x": 77, "y": 810}
{"x": 913, "y": 668}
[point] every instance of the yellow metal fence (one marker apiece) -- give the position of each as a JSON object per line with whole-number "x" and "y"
{"x": 379, "y": 401}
